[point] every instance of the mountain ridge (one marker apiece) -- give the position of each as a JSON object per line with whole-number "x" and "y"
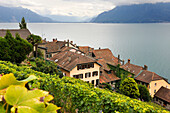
{"x": 136, "y": 13}
{"x": 15, "y": 14}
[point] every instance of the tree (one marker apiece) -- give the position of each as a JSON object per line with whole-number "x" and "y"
{"x": 34, "y": 40}
{"x": 129, "y": 88}
{"x": 144, "y": 93}
{"x": 4, "y": 49}
{"x": 23, "y": 24}
{"x": 14, "y": 49}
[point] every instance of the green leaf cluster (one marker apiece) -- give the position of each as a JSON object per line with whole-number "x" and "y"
{"x": 144, "y": 93}
{"x": 14, "y": 49}
{"x": 34, "y": 40}
{"x": 46, "y": 67}
{"x": 23, "y": 100}
{"x": 129, "y": 87}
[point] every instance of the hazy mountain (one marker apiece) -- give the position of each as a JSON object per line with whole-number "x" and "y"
{"x": 141, "y": 13}
{"x": 15, "y": 14}
{"x": 62, "y": 18}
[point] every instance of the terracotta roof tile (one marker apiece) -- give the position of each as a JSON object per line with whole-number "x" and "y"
{"x": 54, "y": 46}
{"x": 68, "y": 59}
{"x": 106, "y": 54}
{"x": 148, "y": 76}
{"x": 86, "y": 49}
{"x": 135, "y": 69}
{"x": 164, "y": 94}
{"x": 105, "y": 77}
{"x": 24, "y": 33}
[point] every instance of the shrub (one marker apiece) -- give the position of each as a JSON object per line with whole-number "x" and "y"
{"x": 129, "y": 88}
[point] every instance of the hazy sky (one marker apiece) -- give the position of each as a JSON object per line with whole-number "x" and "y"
{"x": 79, "y": 8}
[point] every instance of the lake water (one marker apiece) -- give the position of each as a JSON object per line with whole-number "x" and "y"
{"x": 143, "y": 43}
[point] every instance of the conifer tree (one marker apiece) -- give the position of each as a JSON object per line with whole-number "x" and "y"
{"x": 23, "y": 24}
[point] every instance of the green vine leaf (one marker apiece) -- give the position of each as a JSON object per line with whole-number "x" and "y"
{"x": 27, "y": 101}
{"x": 9, "y": 79}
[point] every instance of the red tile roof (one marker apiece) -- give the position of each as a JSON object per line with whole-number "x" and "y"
{"x": 54, "y": 46}
{"x": 86, "y": 49}
{"x": 105, "y": 77}
{"x": 69, "y": 59}
{"x": 106, "y": 54}
{"x": 148, "y": 76}
{"x": 24, "y": 33}
{"x": 164, "y": 94}
{"x": 135, "y": 69}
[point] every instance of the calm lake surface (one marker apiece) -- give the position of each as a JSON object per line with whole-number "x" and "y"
{"x": 143, "y": 43}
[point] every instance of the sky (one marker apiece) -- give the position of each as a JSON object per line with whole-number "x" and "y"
{"x": 79, "y": 8}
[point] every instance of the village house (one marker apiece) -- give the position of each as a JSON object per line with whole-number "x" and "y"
{"x": 132, "y": 68}
{"x": 162, "y": 97}
{"x": 152, "y": 81}
{"x": 49, "y": 49}
{"x": 74, "y": 63}
{"x": 24, "y": 33}
{"x": 106, "y": 58}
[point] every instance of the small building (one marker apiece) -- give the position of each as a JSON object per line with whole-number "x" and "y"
{"x": 162, "y": 97}
{"x": 106, "y": 58}
{"x": 106, "y": 74}
{"x": 152, "y": 81}
{"x": 24, "y": 33}
{"x": 74, "y": 63}
{"x": 54, "y": 47}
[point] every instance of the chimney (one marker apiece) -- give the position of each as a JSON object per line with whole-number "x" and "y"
{"x": 68, "y": 43}
{"x": 54, "y": 40}
{"x": 123, "y": 62}
{"x": 145, "y": 67}
{"x": 129, "y": 61}
{"x": 118, "y": 58}
{"x": 99, "y": 48}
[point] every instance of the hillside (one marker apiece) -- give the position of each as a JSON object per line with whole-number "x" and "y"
{"x": 74, "y": 94}
{"x": 140, "y": 13}
{"x": 15, "y": 14}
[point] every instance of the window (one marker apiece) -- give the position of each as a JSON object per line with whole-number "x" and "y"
{"x": 87, "y": 75}
{"x": 95, "y": 73}
{"x": 92, "y": 81}
{"x": 81, "y": 76}
{"x": 155, "y": 84}
{"x": 87, "y": 81}
{"x": 97, "y": 82}
{"x": 155, "y": 91}
{"x": 85, "y": 66}
{"x": 78, "y": 76}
